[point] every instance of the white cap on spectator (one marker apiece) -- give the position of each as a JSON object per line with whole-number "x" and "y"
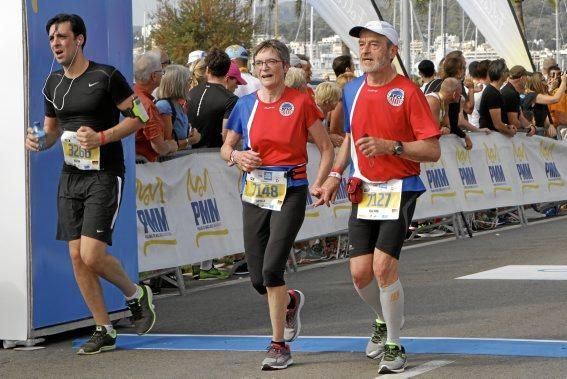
{"x": 380, "y": 27}
{"x": 236, "y": 51}
{"x": 195, "y": 55}
{"x": 294, "y": 60}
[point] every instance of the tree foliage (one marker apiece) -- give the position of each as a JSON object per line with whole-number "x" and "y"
{"x": 200, "y": 25}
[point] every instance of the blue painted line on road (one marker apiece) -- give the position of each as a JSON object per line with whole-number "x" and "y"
{"x": 413, "y": 345}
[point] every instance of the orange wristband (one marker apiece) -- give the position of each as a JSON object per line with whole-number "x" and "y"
{"x": 102, "y": 138}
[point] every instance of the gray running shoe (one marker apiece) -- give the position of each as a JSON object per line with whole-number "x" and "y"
{"x": 375, "y": 346}
{"x": 394, "y": 359}
{"x": 277, "y": 358}
{"x": 143, "y": 314}
{"x": 100, "y": 341}
{"x": 292, "y": 320}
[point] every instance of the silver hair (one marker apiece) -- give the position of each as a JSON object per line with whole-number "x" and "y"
{"x": 145, "y": 65}
{"x": 280, "y": 49}
{"x": 174, "y": 83}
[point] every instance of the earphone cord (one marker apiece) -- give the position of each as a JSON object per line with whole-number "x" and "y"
{"x": 60, "y": 81}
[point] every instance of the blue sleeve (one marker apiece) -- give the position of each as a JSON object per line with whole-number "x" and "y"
{"x": 163, "y": 107}
{"x": 346, "y": 115}
{"x": 349, "y": 94}
{"x": 234, "y": 122}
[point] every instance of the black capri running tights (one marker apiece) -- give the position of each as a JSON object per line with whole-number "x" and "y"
{"x": 269, "y": 236}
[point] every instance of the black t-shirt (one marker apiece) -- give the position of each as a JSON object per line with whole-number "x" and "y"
{"x": 491, "y": 99}
{"x": 209, "y": 104}
{"x": 91, "y": 101}
{"x": 540, "y": 111}
{"x": 511, "y": 102}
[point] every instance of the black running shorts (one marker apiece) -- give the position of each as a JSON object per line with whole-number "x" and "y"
{"x": 385, "y": 235}
{"x": 88, "y": 205}
{"x": 269, "y": 237}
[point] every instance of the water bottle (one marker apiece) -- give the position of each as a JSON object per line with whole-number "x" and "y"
{"x": 40, "y": 134}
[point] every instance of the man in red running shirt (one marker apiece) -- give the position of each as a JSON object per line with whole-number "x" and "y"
{"x": 389, "y": 130}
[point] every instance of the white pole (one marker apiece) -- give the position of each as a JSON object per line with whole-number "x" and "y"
{"x": 557, "y": 31}
{"x": 462, "y": 30}
{"x": 394, "y": 16}
{"x": 253, "y": 21}
{"x": 405, "y": 21}
{"x": 443, "y": 25}
{"x": 401, "y": 14}
{"x": 429, "y": 30}
{"x": 411, "y": 21}
{"x": 311, "y": 36}
{"x": 475, "y": 37}
{"x": 144, "y": 31}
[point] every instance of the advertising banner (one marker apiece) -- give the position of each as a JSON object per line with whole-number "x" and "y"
{"x": 189, "y": 210}
{"x": 497, "y": 23}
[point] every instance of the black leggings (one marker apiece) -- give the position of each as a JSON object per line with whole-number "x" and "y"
{"x": 269, "y": 236}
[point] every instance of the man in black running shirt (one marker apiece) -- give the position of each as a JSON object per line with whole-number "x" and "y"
{"x": 210, "y": 103}
{"x": 82, "y": 108}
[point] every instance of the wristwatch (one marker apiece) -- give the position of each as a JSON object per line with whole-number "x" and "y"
{"x": 398, "y": 148}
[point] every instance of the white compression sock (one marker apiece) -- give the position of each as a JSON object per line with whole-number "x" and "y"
{"x": 392, "y": 299}
{"x": 371, "y": 296}
{"x": 137, "y": 294}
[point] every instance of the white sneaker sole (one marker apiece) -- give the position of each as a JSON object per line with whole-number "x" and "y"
{"x": 385, "y": 370}
{"x": 375, "y": 355}
{"x": 267, "y": 367}
{"x": 102, "y": 349}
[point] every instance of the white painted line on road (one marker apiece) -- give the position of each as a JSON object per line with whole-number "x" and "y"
{"x": 522, "y": 272}
{"x": 418, "y": 370}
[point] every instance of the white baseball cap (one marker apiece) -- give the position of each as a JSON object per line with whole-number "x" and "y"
{"x": 380, "y": 27}
{"x": 236, "y": 51}
{"x": 294, "y": 60}
{"x": 195, "y": 55}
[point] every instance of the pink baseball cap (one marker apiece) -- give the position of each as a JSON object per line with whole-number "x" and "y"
{"x": 234, "y": 72}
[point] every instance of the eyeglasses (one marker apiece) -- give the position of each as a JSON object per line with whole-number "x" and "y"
{"x": 165, "y": 63}
{"x": 159, "y": 71}
{"x": 267, "y": 62}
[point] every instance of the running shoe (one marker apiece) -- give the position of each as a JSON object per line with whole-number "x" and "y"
{"x": 277, "y": 358}
{"x": 292, "y": 320}
{"x": 242, "y": 269}
{"x": 143, "y": 314}
{"x": 375, "y": 346}
{"x": 394, "y": 359}
{"x": 213, "y": 273}
{"x": 436, "y": 232}
{"x": 100, "y": 341}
